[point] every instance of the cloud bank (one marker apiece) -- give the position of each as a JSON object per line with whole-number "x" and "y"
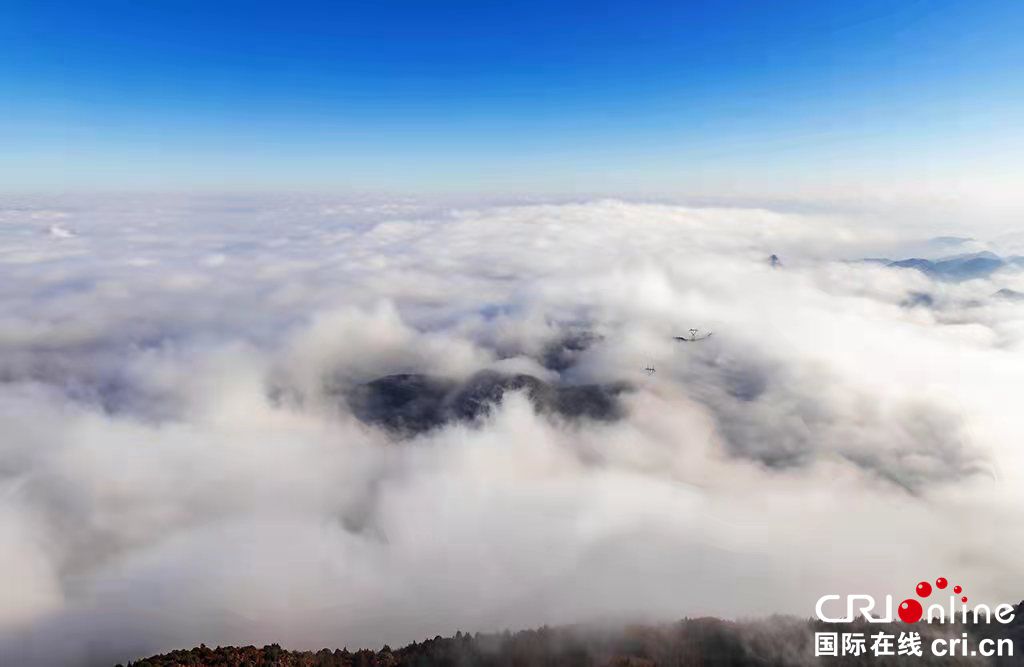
{"x": 183, "y": 461}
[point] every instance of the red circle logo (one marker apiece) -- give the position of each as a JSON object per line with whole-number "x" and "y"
{"x": 910, "y": 611}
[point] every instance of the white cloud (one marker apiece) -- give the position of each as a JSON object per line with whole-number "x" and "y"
{"x": 179, "y": 464}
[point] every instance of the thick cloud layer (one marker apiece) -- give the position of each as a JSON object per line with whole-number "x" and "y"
{"x": 181, "y": 461}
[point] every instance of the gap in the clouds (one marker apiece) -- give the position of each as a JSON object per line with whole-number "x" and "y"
{"x": 411, "y": 404}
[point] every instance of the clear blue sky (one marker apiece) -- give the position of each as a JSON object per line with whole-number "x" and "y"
{"x": 712, "y": 97}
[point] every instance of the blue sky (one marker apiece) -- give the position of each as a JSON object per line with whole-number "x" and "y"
{"x": 716, "y": 98}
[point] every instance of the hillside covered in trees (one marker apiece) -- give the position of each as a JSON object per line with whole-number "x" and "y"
{"x": 777, "y": 641}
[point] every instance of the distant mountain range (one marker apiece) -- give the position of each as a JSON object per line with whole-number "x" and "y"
{"x": 956, "y": 267}
{"x": 1009, "y": 294}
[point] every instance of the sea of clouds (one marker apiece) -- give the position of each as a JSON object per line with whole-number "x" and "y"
{"x": 178, "y": 463}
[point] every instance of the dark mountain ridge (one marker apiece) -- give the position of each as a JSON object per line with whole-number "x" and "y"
{"x": 412, "y": 403}
{"x": 775, "y": 641}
